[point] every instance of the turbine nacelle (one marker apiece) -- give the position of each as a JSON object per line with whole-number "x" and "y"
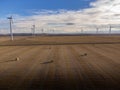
{"x": 9, "y": 17}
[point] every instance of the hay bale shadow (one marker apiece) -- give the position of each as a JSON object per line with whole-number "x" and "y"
{"x": 47, "y": 62}
{"x": 9, "y": 61}
{"x": 85, "y": 54}
{"x": 12, "y": 60}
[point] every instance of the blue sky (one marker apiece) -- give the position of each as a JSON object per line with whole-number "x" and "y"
{"x": 23, "y": 7}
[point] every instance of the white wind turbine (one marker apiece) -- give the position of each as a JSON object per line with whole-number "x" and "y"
{"x": 110, "y": 29}
{"x": 33, "y": 30}
{"x": 11, "y": 21}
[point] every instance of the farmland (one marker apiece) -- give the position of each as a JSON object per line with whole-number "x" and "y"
{"x": 60, "y": 62}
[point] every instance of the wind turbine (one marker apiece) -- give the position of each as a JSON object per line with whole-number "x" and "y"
{"x": 42, "y": 30}
{"x": 82, "y": 30}
{"x": 53, "y": 30}
{"x": 97, "y": 29}
{"x": 11, "y": 21}
{"x": 33, "y": 30}
{"x": 110, "y": 29}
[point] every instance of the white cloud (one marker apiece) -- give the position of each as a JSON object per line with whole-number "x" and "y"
{"x": 102, "y": 12}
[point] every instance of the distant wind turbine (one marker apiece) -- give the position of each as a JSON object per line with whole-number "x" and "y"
{"x": 110, "y": 29}
{"x": 97, "y": 29}
{"x": 33, "y": 30}
{"x": 42, "y": 30}
{"x": 82, "y": 30}
{"x": 11, "y": 21}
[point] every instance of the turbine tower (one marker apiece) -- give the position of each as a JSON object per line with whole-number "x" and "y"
{"x": 11, "y": 21}
{"x": 33, "y": 30}
{"x": 110, "y": 29}
{"x": 97, "y": 30}
{"x": 42, "y": 30}
{"x": 82, "y": 30}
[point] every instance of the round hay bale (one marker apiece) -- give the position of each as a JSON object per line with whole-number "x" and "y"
{"x": 17, "y": 59}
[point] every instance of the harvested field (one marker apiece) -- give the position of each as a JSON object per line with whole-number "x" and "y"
{"x": 47, "y": 66}
{"x": 59, "y": 40}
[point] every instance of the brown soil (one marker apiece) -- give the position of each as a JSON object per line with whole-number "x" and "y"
{"x": 70, "y": 69}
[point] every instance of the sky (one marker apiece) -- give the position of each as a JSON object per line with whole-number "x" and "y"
{"x": 23, "y": 7}
{"x": 60, "y": 15}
